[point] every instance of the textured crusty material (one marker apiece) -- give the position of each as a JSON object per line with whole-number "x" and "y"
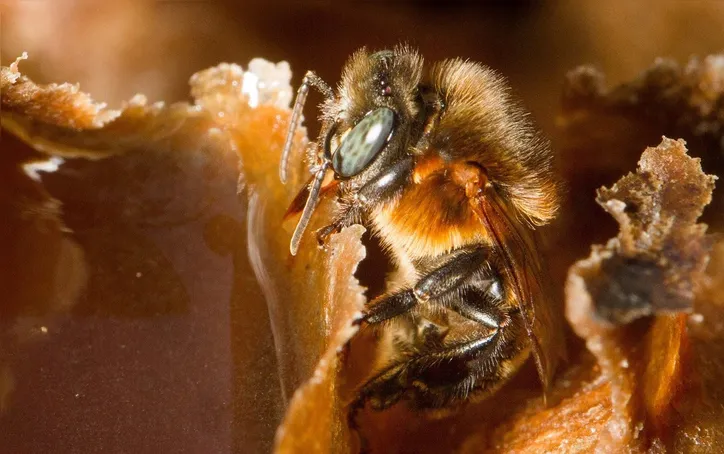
{"x": 649, "y": 375}
{"x": 654, "y": 263}
{"x": 650, "y": 269}
{"x": 237, "y": 116}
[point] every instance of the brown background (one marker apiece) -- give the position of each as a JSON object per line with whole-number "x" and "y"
{"x": 116, "y": 49}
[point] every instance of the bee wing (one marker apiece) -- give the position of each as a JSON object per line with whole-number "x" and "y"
{"x": 523, "y": 270}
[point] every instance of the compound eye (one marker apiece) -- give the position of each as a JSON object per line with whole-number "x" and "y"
{"x": 363, "y": 142}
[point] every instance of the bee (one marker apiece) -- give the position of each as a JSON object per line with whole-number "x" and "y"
{"x": 449, "y": 174}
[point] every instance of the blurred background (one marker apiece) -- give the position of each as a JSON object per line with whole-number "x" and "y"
{"x": 142, "y": 376}
{"x": 119, "y": 48}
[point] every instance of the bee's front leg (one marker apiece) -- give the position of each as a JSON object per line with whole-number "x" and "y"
{"x": 352, "y": 212}
{"x": 355, "y": 203}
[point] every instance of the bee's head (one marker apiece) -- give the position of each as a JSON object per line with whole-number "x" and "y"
{"x": 369, "y": 114}
{"x": 377, "y": 97}
{"x": 387, "y": 78}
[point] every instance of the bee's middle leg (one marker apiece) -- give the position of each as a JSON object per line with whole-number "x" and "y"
{"x": 437, "y": 376}
{"x": 465, "y": 266}
{"x": 444, "y": 375}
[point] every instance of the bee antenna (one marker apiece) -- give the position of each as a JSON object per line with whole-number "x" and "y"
{"x": 310, "y": 79}
{"x": 309, "y": 208}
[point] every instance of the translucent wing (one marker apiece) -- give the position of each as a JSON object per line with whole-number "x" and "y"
{"x": 516, "y": 243}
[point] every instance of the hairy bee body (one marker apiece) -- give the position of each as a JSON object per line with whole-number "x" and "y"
{"x": 451, "y": 178}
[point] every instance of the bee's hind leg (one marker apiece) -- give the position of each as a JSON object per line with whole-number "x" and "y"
{"x": 443, "y": 376}
{"x": 440, "y": 375}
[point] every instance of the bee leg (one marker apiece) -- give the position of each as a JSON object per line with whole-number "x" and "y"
{"x": 438, "y": 374}
{"x": 355, "y": 203}
{"x": 450, "y": 276}
{"x": 447, "y": 375}
{"x": 325, "y": 232}
{"x": 430, "y": 380}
